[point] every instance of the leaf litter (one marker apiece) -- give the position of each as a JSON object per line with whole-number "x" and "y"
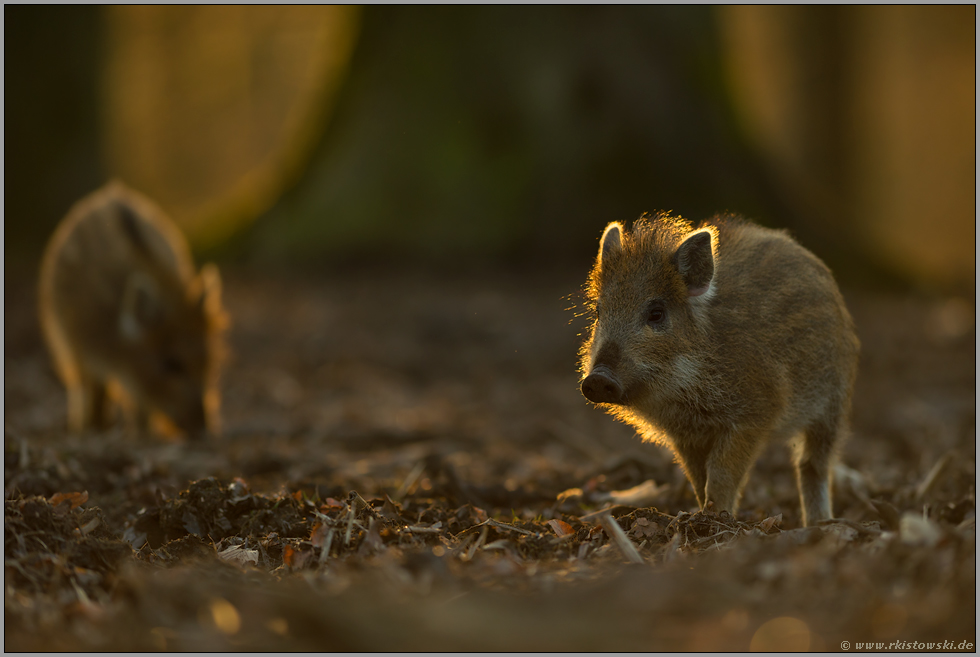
{"x": 441, "y": 485}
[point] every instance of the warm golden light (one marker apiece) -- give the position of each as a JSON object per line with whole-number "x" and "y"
{"x": 888, "y": 620}
{"x": 783, "y": 634}
{"x": 225, "y": 616}
{"x": 278, "y": 626}
{"x": 210, "y": 110}
{"x": 884, "y": 154}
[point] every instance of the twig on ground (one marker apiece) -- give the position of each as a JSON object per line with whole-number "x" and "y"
{"x": 930, "y": 480}
{"x": 409, "y": 482}
{"x": 619, "y": 537}
{"x": 478, "y": 544}
{"x": 357, "y": 503}
{"x": 501, "y": 525}
{"x": 325, "y": 550}
{"x": 350, "y": 524}
{"x": 594, "y": 516}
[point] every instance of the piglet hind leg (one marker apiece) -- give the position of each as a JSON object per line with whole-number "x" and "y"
{"x": 86, "y": 404}
{"x": 813, "y": 469}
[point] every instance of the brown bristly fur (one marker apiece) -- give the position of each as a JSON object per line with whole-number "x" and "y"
{"x": 754, "y": 344}
{"x": 122, "y": 307}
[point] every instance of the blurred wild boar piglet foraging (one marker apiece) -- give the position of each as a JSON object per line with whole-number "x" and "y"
{"x": 125, "y": 314}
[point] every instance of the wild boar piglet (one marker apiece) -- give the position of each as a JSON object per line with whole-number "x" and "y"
{"x": 714, "y": 340}
{"x": 120, "y": 303}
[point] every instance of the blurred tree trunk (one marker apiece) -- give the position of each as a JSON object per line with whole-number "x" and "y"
{"x": 52, "y": 135}
{"x": 867, "y": 116}
{"x": 211, "y": 109}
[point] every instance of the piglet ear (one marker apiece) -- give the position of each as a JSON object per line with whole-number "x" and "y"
{"x": 210, "y": 283}
{"x": 696, "y": 262}
{"x": 141, "y": 307}
{"x": 612, "y": 241}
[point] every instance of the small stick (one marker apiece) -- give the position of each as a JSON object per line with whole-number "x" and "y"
{"x": 89, "y": 527}
{"x": 410, "y": 480}
{"x": 923, "y": 488}
{"x": 423, "y": 530}
{"x": 590, "y": 517}
{"x": 350, "y": 524}
{"x": 325, "y": 550}
{"x": 619, "y": 537}
{"x": 671, "y": 551}
{"x": 80, "y": 592}
{"x": 361, "y": 502}
{"x": 557, "y": 540}
{"x": 500, "y": 525}
{"x": 460, "y": 550}
{"x": 478, "y": 544}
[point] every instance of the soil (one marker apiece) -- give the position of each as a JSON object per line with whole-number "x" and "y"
{"x": 407, "y": 464}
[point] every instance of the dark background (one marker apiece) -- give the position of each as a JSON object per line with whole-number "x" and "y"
{"x": 502, "y": 134}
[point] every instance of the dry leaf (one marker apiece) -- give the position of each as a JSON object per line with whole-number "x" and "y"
{"x": 767, "y": 524}
{"x": 389, "y": 510}
{"x": 76, "y": 499}
{"x": 560, "y": 527}
{"x": 239, "y": 554}
{"x": 644, "y": 528}
{"x": 294, "y": 557}
{"x": 372, "y": 540}
{"x": 318, "y": 535}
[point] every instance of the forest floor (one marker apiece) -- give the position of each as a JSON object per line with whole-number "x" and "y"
{"x": 407, "y": 464}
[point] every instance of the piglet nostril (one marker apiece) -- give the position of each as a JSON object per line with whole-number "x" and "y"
{"x": 602, "y": 387}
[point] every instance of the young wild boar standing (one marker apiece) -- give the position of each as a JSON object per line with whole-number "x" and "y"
{"x": 120, "y": 302}
{"x": 714, "y": 341}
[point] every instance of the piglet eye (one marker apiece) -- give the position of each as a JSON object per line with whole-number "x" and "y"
{"x": 656, "y": 314}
